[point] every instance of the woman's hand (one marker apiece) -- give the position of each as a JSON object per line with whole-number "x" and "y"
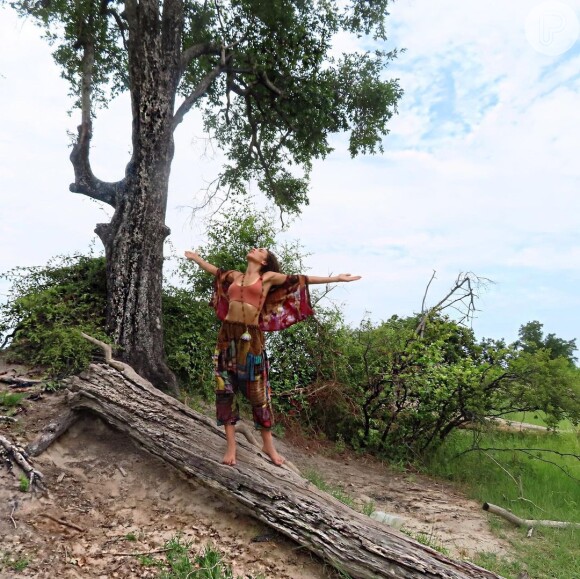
{"x": 347, "y": 277}
{"x": 333, "y": 279}
{"x": 205, "y": 265}
{"x": 191, "y": 255}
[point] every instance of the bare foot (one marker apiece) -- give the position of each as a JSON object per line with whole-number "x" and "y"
{"x": 229, "y": 457}
{"x": 276, "y": 458}
{"x": 269, "y": 449}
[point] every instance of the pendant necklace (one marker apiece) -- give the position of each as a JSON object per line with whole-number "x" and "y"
{"x": 246, "y": 336}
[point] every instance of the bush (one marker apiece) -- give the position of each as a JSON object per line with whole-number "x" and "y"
{"x": 47, "y": 308}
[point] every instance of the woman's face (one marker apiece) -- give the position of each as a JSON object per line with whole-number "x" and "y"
{"x": 258, "y": 254}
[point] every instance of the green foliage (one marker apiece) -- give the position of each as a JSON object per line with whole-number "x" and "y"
{"x": 428, "y": 539}
{"x": 208, "y": 564}
{"x": 280, "y": 93}
{"x": 11, "y": 399}
{"x": 532, "y": 340}
{"x": 49, "y": 306}
{"x": 24, "y": 483}
{"x": 190, "y": 336}
{"x": 15, "y": 563}
{"x": 404, "y": 393}
{"x": 337, "y": 492}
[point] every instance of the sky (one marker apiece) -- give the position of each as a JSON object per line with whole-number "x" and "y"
{"x": 480, "y": 172}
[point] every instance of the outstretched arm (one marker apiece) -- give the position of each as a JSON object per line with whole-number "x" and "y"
{"x": 205, "y": 265}
{"x": 333, "y": 279}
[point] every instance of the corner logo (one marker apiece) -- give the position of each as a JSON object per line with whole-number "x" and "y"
{"x": 552, "y": 28}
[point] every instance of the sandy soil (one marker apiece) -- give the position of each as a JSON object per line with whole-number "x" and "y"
{"x": 127, "y": 501}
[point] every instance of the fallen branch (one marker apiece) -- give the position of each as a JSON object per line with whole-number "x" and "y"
{"x": 20, "y": 382}
{"x": 53, "y": 430}
{"x": 20, "y": 457}
{"x": 62, "y": 522}
{"x": 276, "y": 496}
{"x": 144, "y": 553}
{"x": 11, "y": 517}
{"x": 7, "y": 419}
{"x": 529, "y": 523}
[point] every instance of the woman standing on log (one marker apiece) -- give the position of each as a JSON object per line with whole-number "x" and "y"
{"x": 249, "y": 303}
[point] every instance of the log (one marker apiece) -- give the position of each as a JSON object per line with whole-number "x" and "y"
{"x": 55, "y": 428}
{"x": 277, "y": 496}
{"x": 529, "y": 523}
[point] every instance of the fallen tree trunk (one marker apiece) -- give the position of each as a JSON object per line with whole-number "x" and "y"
{"x": 350, "y": 541}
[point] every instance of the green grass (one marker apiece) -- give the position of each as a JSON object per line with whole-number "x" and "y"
{"x": 338, "y": 493}
{"x": 14, "y": 562}
{"x": 179, "y": 563}
{"x": 534, "y": 485}
{"x": 538, "y": 418}
{"x": 24, "y": 483}
{"x": 11, "y": 399}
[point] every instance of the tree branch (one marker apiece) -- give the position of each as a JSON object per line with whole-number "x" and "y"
{"x": 530, "y": 523}
{"x": 197, "y": 50}
{"x": 198, "y": 92}
{"x": 85, "y": 182}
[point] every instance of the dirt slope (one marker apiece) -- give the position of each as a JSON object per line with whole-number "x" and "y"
{"x": 126, "y": 501}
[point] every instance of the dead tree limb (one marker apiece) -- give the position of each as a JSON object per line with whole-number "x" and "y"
{"x": 529, "y": 523}
{"x": 53, "y": 430}
{"x": 15, "y": 454}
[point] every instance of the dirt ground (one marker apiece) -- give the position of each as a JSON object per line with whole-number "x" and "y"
{"x": 108, "y": 500}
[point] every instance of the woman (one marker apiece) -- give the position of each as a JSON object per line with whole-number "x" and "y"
{"x": 249, "y": 303}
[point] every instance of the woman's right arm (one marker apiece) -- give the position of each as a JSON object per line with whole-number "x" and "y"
{"x": 205, "y": 265}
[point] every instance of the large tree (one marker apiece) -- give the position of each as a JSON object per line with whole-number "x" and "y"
{"x": 272, "y": 88}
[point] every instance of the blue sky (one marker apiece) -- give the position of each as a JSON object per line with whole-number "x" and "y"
{"x": 481, "y": 171}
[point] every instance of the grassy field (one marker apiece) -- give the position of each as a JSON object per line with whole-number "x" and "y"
{"x": 535, "y": 484}
{"x": 539, "y": 419}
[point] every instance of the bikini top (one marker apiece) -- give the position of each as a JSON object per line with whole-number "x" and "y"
{"x": 252, "y": 293}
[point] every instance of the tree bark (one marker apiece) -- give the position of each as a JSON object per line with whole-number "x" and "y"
{"x": 134, "y": 238}
{"x": 276, "y": 496}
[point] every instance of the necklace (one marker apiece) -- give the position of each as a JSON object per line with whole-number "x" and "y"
{"x": 246, "y": 336}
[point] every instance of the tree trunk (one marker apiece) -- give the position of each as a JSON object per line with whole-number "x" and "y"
{"x": 276, "y": 496}
{"x": 134, "y": 239}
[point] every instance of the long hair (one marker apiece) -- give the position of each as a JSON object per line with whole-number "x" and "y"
{"x": 271, "y": 264}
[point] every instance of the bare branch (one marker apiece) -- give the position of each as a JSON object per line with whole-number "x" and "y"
{"x": 464, "y": 292}
{"x": 197, "y": 50}
{"x": 197, "y": 93}
{"x": 427, "y": 291}
{"x": 530, "y": 523}
{"x": 85, "y": 182}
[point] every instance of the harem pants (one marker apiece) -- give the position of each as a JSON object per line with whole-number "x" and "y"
{"x": 241, "y": 367}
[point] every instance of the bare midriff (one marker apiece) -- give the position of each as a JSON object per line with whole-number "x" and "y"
{"x": 238, "y": 311}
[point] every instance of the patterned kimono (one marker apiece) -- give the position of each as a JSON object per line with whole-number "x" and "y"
{"x": 242, "y": 366}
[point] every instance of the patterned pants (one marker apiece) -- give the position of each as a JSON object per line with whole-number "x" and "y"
{"x": 241, "y": 367}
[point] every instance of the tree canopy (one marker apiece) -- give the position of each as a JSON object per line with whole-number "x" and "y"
{"x": 532, "y": 339}
{"x": 268, "y": 77}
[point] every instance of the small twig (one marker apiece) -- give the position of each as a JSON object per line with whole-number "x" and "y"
{"x": 110, "y": 554}
{"x": 11, "y": 517}
{"x": 61, "y": 522}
